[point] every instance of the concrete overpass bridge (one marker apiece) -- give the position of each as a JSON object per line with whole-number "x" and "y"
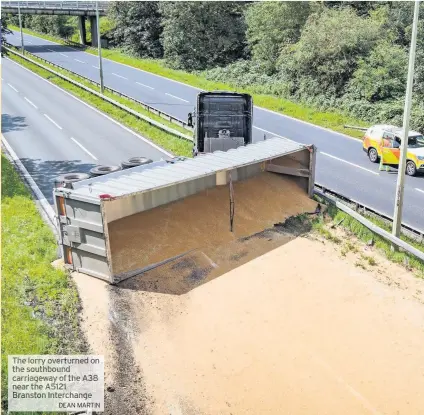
{"x": 81, "y": 9}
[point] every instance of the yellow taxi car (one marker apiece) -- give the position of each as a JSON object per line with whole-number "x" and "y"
{"x": 384, "y": 141}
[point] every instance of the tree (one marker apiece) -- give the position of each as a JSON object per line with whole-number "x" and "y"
{"x": 4, "y": 31}
{"x": 362, "y": 8}
{"x": 324, "y": 59}
{"x": 381, "y": 75}
{"x": 53, "y": 25}
{"x": 200, "y": 35}
{"x": 137, "y": 27}
{"x": 272, "y": 25}
{"x": 419, "y": 61}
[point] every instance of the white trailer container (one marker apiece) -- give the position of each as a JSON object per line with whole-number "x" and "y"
{"x": 86, "y": 213}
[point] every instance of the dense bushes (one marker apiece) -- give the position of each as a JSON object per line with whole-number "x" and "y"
{"x": 198, "y": 35}
{"x": 348, "y": 57}
{"x": 341, "y": 55}
{"x": 137, "y": 28}
{"x": 61, "y": 26}
{"x": 271, "y": 25}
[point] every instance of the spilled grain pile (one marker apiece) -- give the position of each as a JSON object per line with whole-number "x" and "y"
{"x": 203, "y": 220}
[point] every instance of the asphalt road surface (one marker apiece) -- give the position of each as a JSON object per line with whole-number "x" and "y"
{"x": 341, "y": 164}
{"x": 36, "y": 123}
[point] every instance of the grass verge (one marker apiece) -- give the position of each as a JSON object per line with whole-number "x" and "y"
{"x": 331, "y": 120}
{"x": 167, "y": 141}
{"x": 39, "y": 303}
{"x": 352, "y": 226}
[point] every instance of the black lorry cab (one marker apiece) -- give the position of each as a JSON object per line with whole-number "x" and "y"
{"x": 222, "y": 120}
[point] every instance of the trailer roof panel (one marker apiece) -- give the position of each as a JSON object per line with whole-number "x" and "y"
{"x": 155, "y": 175}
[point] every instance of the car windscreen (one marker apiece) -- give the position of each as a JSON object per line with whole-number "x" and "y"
{"x": 416, "y": 141}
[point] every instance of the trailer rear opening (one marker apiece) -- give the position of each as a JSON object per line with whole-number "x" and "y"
{"x": 121, "y": 224}
{"x": 202, "y": 221}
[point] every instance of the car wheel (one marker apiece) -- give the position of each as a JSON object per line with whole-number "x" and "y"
{"x": 135, "y": 161}
{"x": 373, "y": 155}
{"x": 101, "y": 170}
{"x": 411, "y": 168}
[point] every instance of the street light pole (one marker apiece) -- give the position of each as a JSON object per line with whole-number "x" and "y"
{"x": 397, "y": 217}
{"x": 99, "y": 44}
{"x": 20, "y": 28}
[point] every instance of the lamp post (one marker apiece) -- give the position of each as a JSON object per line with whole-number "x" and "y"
{"x": 20, "y": 28}
{"x": 99, "y": 47}
{"x": 397, "y": 216}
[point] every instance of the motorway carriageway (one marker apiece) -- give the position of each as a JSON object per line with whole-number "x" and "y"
{"x": 53, "y": 133}
{"x": 341, "y": 164}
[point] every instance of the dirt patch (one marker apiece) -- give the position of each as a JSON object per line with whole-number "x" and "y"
{"x": 202, "y": 221}
{"x": 107, "y": 326}
{"x": 282, "y": 321}
{"x": 299, "y": 329}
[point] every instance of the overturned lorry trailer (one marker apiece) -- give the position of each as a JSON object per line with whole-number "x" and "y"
{"x": 121, "y": 224}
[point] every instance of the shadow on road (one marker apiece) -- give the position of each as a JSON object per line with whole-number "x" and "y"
{"x": 51, "y": 48}
{"x": 44, "y": 173}
{"x": 12, "y": 123}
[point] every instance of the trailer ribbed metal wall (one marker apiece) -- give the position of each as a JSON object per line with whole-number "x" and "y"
{"x": 84, "y": 212}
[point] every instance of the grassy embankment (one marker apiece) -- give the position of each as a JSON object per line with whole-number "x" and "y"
{"x": 39, "y": 303}
{"x": 335, "y": 217}
{"x": 329, "y": 120}
{"x": 171, "y": 143}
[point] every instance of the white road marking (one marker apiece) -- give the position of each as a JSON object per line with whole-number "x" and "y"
{"x": 119, "y": 76}
{"x": 419, "y": 190}
{"x": 66, "y": 56}
{"x": 173, "y": 96}
{"x": 147, "y": 86}
{"x": 83, "y": 148}
{"x": 51, "y": 50}
{"x": 274, "y": 134}
{"x": 94, "y": 66}
{"x": 13, "y": 87}
{"x": 43, "y": 201}
{"x": 150, "y": 143}
{"x": 348, "y": 162}
{"x": 53, "y": 122}
{"x": 31, "y": 103}
{"x": 79, "y": 61}
{"x": 27, "y": 41}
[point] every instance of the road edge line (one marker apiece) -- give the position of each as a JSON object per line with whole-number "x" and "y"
{"x": 42, "y": 204}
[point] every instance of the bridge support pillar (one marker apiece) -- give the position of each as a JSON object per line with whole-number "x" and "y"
{"x": 82, "y": 31}
{"x": 93, "y": 30}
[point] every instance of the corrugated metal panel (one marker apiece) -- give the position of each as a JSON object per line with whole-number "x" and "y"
{"x": 169, "y": 174}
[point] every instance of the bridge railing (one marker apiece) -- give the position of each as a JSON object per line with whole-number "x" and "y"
{"x": 69, "y": 5}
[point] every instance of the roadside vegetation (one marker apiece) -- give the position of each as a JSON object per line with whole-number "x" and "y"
{"x": 328, "y": 63}
{"x": 333, "y": 218}
{"x": 39, "y": 302}
{"x": 167, "y": 141}
{"x": 327, "y": 119}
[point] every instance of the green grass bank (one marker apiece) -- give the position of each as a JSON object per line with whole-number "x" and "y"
{"x": 39, "y": 303}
